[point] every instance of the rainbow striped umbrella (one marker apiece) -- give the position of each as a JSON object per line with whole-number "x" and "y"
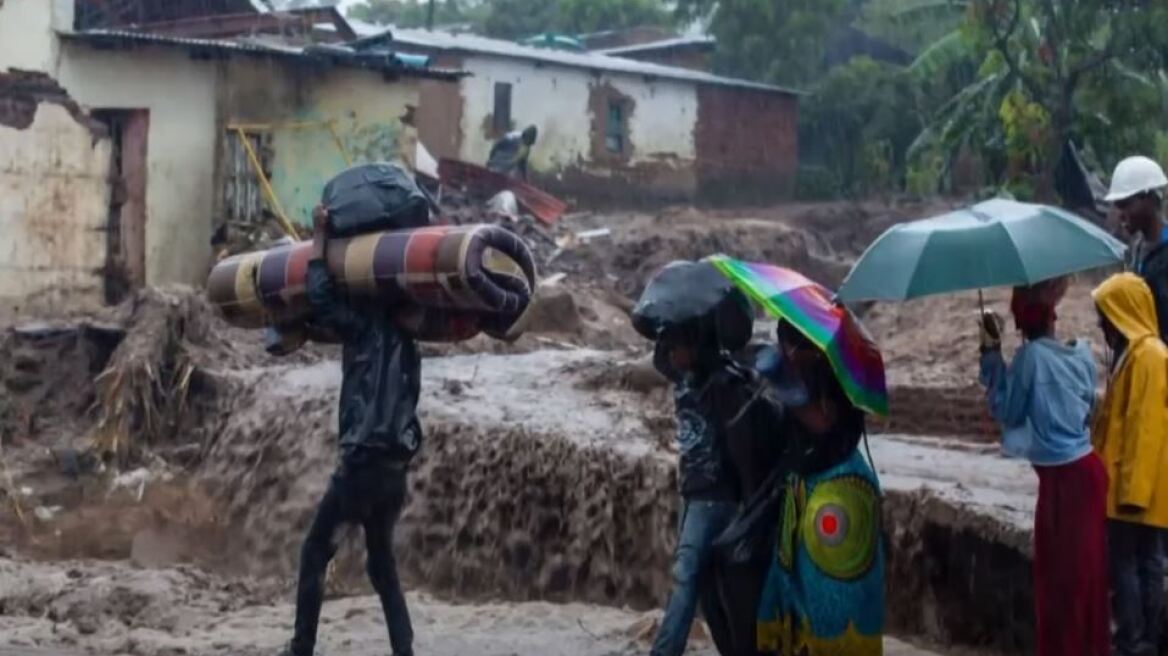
{"x": 812, "y": 309}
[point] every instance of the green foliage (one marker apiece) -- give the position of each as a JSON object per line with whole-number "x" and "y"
{"x": 1049, "y": 71}
{"x": 516, "y": 19}
{"x": 413, "y": 13}
{"x": 814, "y": 182}
{"x": 914, "y": 25}
{"x": 584, "y": 16}
{"x": 861, "y": 120}
{"x": 781, "y": 42}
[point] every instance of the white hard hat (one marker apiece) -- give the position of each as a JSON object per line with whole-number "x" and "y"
{"x": 1134, "y": 176}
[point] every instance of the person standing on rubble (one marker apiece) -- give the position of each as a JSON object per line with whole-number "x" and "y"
{"x": 509, "y": 155}
{"x": 1130, "y": 434}
{"x": 1137, "y": 193}
{"x": 379, "y": 435}
{"x": 1043, "y": 399}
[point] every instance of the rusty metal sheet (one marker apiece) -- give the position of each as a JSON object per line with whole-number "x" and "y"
{"x": 475, "y": 178}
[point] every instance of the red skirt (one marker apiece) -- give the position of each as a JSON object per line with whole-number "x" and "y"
{"x": 1070, "y": 560}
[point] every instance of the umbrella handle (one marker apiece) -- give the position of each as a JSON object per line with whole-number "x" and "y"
{"x": 981, "y": 302}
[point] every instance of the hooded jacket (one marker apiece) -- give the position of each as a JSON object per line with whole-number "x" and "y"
{"x": 1131, "y": 430}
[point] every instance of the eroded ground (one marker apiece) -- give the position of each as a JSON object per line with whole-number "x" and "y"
{"x": 542, "y": 509}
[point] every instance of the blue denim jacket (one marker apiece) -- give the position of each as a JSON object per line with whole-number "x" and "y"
{"x": 1043, "y": 400}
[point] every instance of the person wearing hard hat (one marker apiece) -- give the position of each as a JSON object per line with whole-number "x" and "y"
{"x": 1137, "y": 192}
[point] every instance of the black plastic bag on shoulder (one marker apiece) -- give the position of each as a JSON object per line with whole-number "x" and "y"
{"x": 373, "y": 198}
{"x": 689, "y": 295}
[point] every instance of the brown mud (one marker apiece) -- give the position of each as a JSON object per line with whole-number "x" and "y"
{"x": 548, "y": 467}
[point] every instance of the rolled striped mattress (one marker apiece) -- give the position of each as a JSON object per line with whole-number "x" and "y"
{"x": 450, "y": 281}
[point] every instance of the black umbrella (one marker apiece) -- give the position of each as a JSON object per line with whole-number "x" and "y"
{"x": 693, "y": 296}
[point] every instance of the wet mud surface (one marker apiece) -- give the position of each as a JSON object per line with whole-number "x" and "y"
{"x": 547, "y": 475}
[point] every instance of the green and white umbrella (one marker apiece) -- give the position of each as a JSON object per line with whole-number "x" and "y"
{"x": 998, "y": 243}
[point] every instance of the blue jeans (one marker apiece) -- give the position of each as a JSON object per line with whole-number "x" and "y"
{"x": 701, "y": 523}
{"x": 1137, "y": 586}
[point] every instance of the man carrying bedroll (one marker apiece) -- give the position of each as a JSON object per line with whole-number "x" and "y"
{"x": 379, "y": 435}
{"x": 1137, "y": 193}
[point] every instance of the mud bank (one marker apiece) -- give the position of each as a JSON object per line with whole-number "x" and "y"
{"x": 536, "y": 485}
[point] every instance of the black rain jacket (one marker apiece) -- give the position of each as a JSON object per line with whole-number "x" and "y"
{"x": 381, "y": 371}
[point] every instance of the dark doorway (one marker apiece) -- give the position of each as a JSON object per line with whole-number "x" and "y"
{"x": 502, "y": 115}
{"x": 126, "y": 228}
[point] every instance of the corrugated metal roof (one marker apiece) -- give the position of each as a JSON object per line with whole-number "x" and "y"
{"x": 259, "y": 47}
{"x": 588, "y": 60}
{"x": 666, "y": 44}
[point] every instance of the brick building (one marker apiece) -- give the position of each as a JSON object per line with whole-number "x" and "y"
{"x": 612, "y": 129}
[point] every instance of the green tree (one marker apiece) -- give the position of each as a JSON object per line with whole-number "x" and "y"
{"x": 1051, "y": 70}
{"x": 914, "y": 25}
{"x": 514, "y": 19}
{"x": 860, "y": 121}
{"x": 583, "y": 16}
{"x": 414, "y": 13}
{"x": 782, "y": 42}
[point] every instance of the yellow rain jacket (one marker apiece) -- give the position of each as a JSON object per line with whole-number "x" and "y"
{"x": 1131, "y": 430}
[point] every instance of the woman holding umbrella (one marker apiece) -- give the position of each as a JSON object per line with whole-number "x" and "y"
{"x": 1043, "y": 400}
{"x": 824, "y": 591}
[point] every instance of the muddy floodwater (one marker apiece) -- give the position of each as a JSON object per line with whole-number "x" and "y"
{"x": 542, "y": 508}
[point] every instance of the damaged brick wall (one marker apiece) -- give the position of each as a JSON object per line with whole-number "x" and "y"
{"x": 622, "y": 172}
{"x": 747, "y": 144}
{"x": 54, "y": 195}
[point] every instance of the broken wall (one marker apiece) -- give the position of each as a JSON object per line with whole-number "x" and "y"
{"x": 179, "y": 93}
{"x": 54, "y": 196}
{"x": 569, "y": 106}
{"x": 365, "y": 108}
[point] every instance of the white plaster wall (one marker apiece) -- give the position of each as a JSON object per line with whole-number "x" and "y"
{"x": 664, "y": 119}
{"x": 54, "y": 204}
{"x": 180, "y": 94}
{"x": 556, "y": 100}
{"x": 26, "y": 35}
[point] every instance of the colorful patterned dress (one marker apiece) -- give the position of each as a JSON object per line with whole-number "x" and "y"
{"x": 824, "y": 595}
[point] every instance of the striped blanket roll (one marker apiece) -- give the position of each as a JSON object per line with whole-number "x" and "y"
{"x": 472, "y": 277}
